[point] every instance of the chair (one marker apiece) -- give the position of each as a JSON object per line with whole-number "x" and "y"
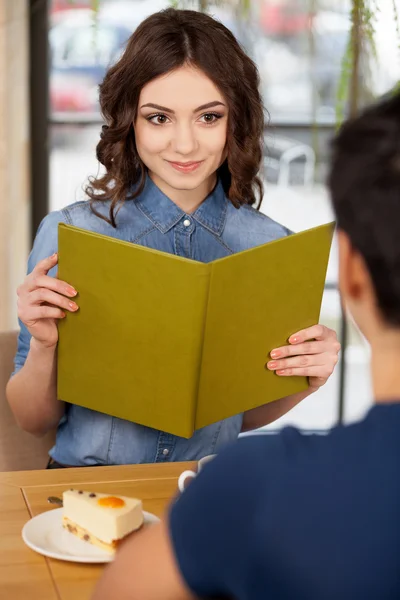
{"x": 283, "y": 153}
{"x": 19, "y": 451}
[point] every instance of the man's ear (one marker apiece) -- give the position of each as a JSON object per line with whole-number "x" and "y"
{"x": 344, "y": 263}
{"x": 354, "y": 280}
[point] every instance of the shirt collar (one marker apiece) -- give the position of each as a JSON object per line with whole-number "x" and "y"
{"x": 212, "y": 212}
{"x": 165, "y": 214}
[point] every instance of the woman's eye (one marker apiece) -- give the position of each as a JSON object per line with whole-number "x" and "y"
{"x": 157, "y": 119}
{"x": 210, "y": 118}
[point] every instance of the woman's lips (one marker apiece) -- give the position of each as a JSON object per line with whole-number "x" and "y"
{"x": 185, "y": 167}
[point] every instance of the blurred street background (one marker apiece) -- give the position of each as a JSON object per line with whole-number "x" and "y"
{"x": 302, "y": 51}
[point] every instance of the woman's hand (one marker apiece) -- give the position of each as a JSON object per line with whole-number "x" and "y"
{"x": 315, "y": 359}
{"x": 42, "y": 300}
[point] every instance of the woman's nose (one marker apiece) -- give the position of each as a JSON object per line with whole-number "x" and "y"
{"x": 184, "y": 140}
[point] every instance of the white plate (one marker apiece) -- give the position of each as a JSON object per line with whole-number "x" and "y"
{"x": 46, "y": 535}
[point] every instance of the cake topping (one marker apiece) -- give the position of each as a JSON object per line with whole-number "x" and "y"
{"x": 100, "y": 519}
{"x": 111, "y": 502}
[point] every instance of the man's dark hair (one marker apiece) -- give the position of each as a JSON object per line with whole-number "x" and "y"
{"x": 365, "y": 188}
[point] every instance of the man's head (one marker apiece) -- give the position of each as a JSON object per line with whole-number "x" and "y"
{"x": 365, "y": 189}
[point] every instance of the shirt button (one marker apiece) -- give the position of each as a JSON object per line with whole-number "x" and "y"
{"x": 165, "y": 451}
{"x": 186, "y": 223}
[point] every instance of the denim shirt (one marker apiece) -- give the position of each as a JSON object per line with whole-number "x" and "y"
{"x": 216, "y": 229}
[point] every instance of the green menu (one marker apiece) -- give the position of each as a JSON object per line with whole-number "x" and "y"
{"x": 176, "y": 344}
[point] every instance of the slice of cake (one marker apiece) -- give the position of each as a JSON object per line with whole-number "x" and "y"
{"x": 101, "y": 519}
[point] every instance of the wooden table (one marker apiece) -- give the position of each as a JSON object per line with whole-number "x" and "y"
{"x": 26, "y": 575}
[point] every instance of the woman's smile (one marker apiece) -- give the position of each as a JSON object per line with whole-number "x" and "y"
{"x": 185, "y": 167}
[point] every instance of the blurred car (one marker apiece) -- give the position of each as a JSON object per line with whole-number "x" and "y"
{"x": 83, "y": 44}
{"x": 283, "y": 17}
{"x": 293, "y": 79}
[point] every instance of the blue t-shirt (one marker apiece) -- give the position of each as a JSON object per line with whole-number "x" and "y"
{"x": 297, "y": 517}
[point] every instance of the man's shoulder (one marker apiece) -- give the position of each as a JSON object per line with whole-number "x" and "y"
{"x": 292, "y": 457}
{"x": 354, "y": 457}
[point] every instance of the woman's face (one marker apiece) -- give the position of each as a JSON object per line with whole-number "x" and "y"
{"x": 181, "y": 130}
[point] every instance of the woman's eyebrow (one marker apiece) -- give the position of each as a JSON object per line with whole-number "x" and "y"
{"x": 169, "y": 110}
{"x": 158, "y": 107}
{"x": 209, "y": 105}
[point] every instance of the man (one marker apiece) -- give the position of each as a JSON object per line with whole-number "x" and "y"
{"x": 304, "y": 517}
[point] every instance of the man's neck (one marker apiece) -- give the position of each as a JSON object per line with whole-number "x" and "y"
{"x": 385, "y": 365}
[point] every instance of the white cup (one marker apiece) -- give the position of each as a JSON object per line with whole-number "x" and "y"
{"x": 192, "y": 474}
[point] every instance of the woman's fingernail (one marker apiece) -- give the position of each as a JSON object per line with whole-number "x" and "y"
{"x": 294, "y": 339}
{"x": 71, "y": 291}
{"x": 280, "y": 372}
{"x": 73, "y": 306}
{"x": 275, "y": 354}
{"x": 272, "y": 365}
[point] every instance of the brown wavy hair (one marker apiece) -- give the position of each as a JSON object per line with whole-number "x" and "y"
{"x": 163, "y": 42}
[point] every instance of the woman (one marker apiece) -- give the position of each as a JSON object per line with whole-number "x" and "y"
{"x": 181, "y": 151}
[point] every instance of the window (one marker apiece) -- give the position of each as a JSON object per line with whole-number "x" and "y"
{"x": 298, "y": 47}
